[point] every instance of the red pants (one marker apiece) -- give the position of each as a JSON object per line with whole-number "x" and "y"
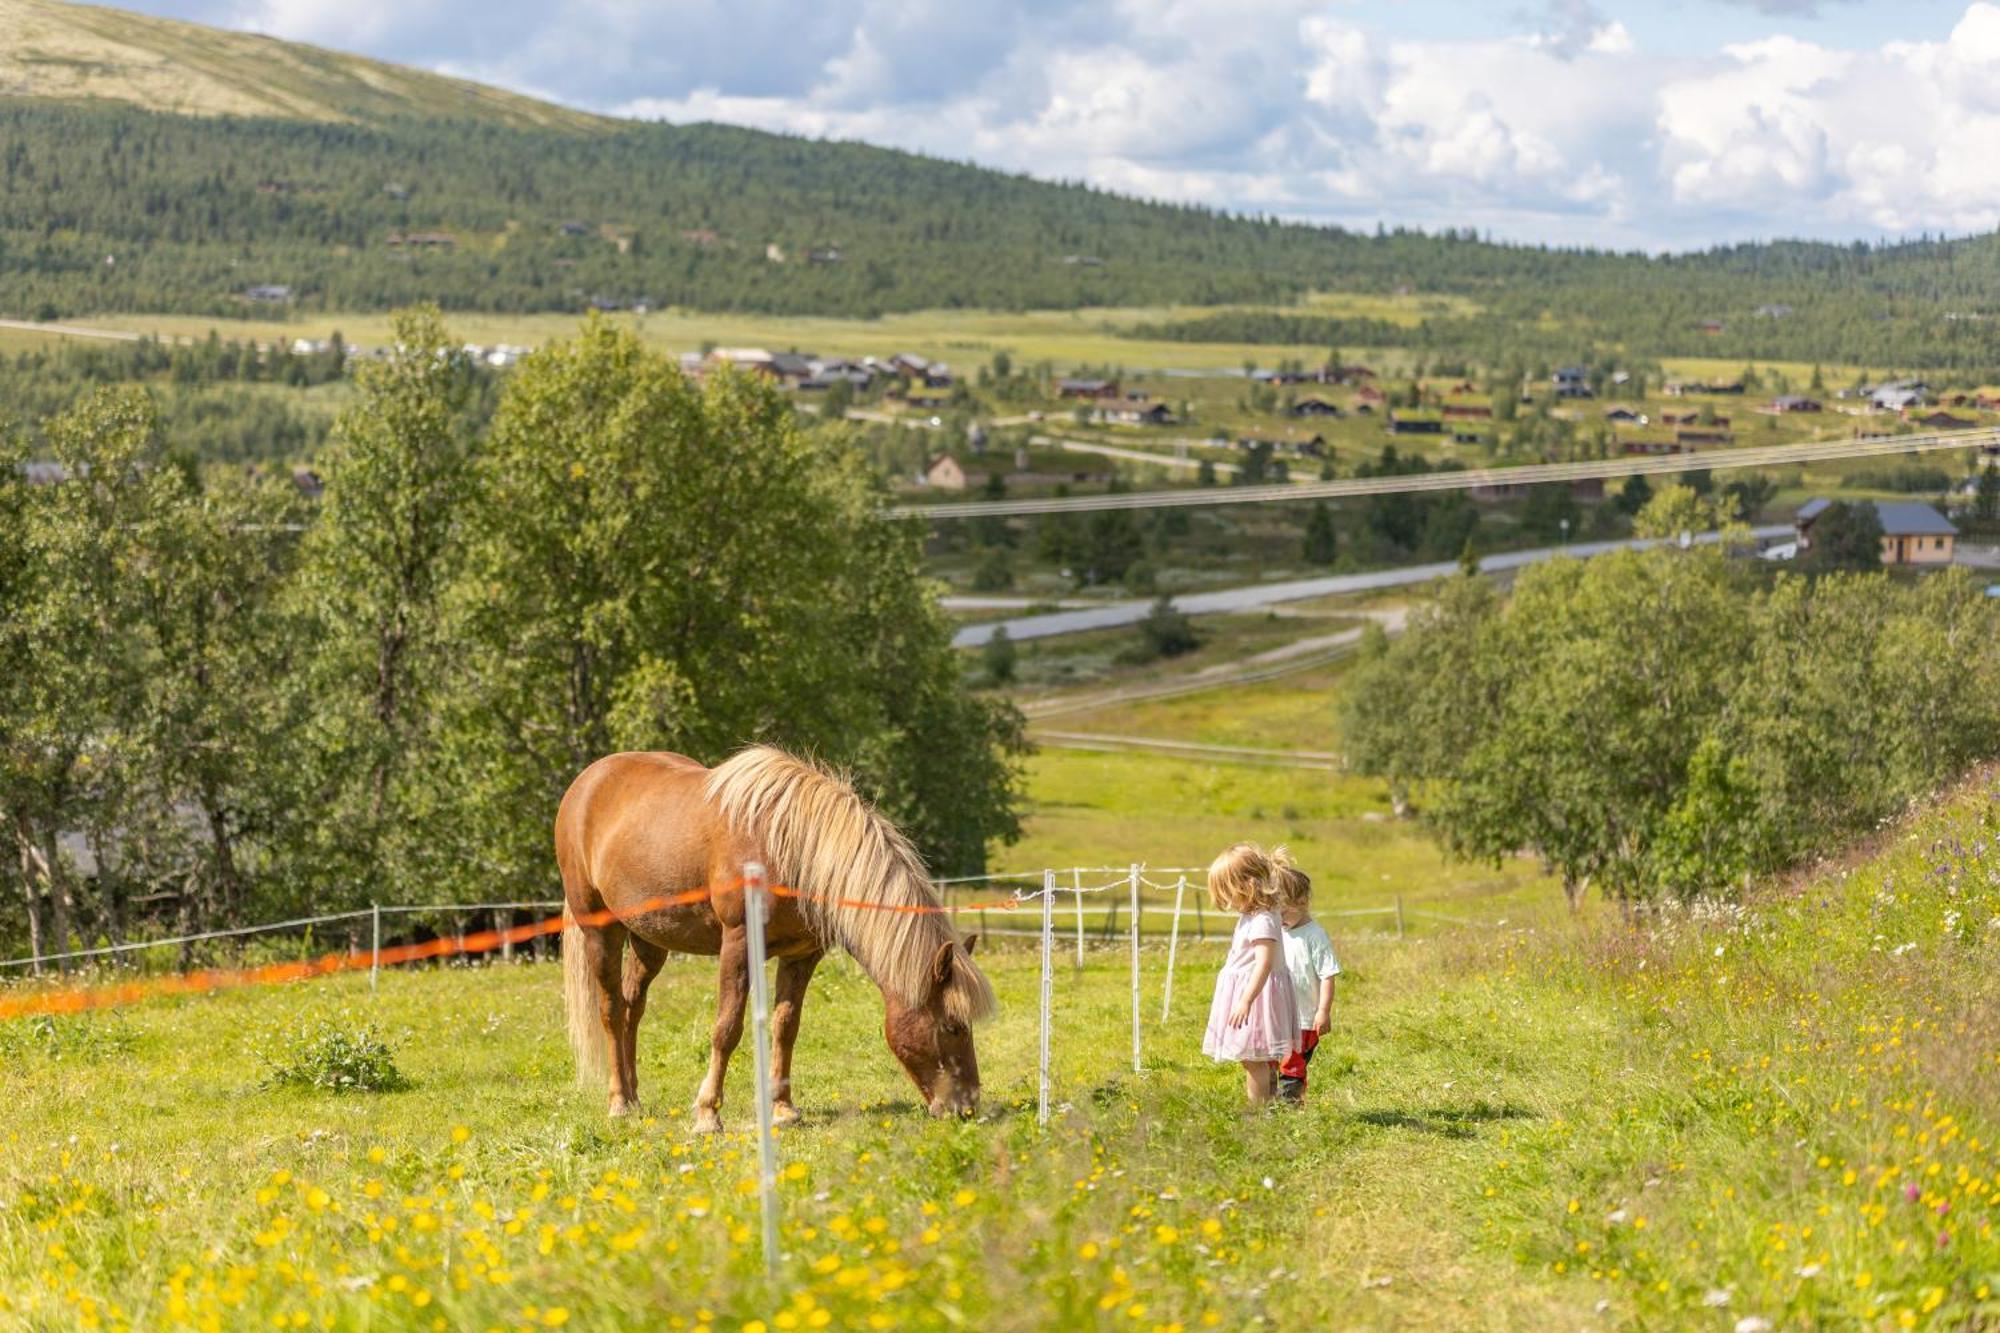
{"x": 1292, "y": 1073}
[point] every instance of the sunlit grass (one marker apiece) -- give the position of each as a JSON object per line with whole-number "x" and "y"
{"x": 1784, "y": 1114}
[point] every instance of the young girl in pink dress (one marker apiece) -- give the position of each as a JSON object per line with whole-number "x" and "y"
{"x": 1253, "y": 1019}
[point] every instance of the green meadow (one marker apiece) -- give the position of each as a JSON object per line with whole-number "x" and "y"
{"x": 1781, "y": 1113}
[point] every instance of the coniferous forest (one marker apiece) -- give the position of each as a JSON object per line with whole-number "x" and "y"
{"x": 107, "y": 209}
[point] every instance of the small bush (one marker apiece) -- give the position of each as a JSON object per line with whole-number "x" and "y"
{"x": 337, "y": 1058}
{"x": 999, "y": 657}
{"x": 1166, "y": 632}
{"x": 81, "y": 1037}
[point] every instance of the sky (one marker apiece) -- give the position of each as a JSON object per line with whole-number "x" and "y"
{"x": 1669, "y": 125}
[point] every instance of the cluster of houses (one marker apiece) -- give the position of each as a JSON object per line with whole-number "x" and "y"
{"x": 808, "y": 372}
{"x": 1115, "y": 408}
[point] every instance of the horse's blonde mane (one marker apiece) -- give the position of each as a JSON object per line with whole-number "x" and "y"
{"x": 852, "y": 869}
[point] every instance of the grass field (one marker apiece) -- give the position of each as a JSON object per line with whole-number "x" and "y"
{"x": 1104, "y": 657}
{"x": 1782, "y": 1114}
{"x": 966, "y": 338}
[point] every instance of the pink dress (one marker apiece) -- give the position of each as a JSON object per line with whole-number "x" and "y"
{"x": 1272, "y": 1029}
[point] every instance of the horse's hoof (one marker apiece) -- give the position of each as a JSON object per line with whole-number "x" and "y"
{"x": 620, "y": 1108}
{"x": 707, "y": 1122}
{"x": 784, "y": 1113}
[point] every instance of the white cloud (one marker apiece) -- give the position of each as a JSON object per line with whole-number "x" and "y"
{"x": 1570, "y": 130}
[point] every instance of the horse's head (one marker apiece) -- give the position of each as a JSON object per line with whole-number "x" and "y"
{"x": 934, "y": 1040}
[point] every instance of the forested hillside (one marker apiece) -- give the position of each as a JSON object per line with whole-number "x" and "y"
{"x": 338, "y": 184}
{"x": 1922, "y": 304}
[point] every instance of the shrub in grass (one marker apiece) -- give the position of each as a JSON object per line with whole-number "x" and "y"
{"x": 334, "y": 1057}
{"x": 82, "y": 1037}
{"x": 1165, "y": 632}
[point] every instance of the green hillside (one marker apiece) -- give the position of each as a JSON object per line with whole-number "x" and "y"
{"x": 82, "y": 52}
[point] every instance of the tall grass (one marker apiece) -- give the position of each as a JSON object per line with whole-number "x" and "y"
{"x": 1720, "y": 1116}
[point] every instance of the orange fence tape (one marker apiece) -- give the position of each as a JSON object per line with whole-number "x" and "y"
{"x": 82, "y": 998}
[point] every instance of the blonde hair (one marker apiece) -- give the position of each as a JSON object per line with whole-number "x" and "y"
{"x": 1239, "y": 880}
{"x": 1293, "y": 886}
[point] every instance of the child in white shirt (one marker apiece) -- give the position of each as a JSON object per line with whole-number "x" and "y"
{"x": 1310, "y": 961}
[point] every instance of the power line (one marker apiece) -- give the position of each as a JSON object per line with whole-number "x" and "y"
{"x": 1769, "y": 455}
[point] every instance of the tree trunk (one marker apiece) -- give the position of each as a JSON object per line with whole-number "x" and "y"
{"x": 33, "y": 897}
{"x": 51, "y": 867}
{"x": 112, "y": 890}
{"x": 1573, "y": 891}
{"x": 184, "y": 925}
{"x": 228, "y": 878}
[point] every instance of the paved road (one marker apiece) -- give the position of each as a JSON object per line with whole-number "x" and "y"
{"x": 69, "y": 330}
{"x": 1743, "y": 456}
{"x": 1130, "y": 455}
{"x": 1101, "y": 742}
{"x": 1112, "y": 615}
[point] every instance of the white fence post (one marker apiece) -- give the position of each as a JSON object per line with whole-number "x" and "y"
{"x": 375, "y": 953}
{"x": 1132, "y": 932}
{"x": 1048, "y": 986}
{"x": 1173, "y": 948}
{"x": 754, "y": 902}
{"x": 1076, "y": 893}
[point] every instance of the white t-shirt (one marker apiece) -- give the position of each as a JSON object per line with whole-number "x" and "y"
{"x": 1309, "y": 958}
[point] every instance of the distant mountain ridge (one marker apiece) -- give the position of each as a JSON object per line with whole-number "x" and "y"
{"x": 69, "y": 52}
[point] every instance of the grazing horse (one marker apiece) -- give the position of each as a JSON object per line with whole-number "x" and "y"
{"x": 652, "y": 849}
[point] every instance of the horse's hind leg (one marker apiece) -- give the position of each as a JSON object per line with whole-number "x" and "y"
{"x": 604, "y": 954}
{"x": 732, "y": 989}
{"x": 640, "y": 969}
{"x": 793, "y": 976}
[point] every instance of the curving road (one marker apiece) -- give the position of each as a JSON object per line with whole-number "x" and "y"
{"x": 1113, "y": 615}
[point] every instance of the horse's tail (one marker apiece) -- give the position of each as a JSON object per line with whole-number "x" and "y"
{"x": 586, "y": 1032}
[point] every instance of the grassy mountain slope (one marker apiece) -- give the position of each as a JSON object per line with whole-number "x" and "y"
{"x": 82, "y": 52}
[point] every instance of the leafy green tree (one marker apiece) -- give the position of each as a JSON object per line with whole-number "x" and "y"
{"x": 1651, "y": 722}
{"x": 1112, "y": 544}
{"x": 214, "y": 737}
{"x": 1577, "y": 764}
{"x": 1675, "y": 510}
{"x": 839, "y": 398}
{"x": 1451, "y": 520}
{"x": 1986, "y": 501}
{"x": 1321, "y": 544}
{"x": 1416, "y": 703}
{"x": 1550, "y": 513}
{"x": 376, "y": 564}
{"x": 653, "y": 565}
{"x": 994, "y": 572}
{"x": 999, "y": 656}
{"x": 1166, "y": 631}
{"x": 1844, "y": 536}
{"x": 1747, "y": 496}
{"x": 65, "y": 752}
{"x": 22, "y": 577}
{"x": 1635, "y": 494}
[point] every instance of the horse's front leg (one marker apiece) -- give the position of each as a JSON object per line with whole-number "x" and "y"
{"x": 793, "y": 976}
{"x": 733, "y": 988}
